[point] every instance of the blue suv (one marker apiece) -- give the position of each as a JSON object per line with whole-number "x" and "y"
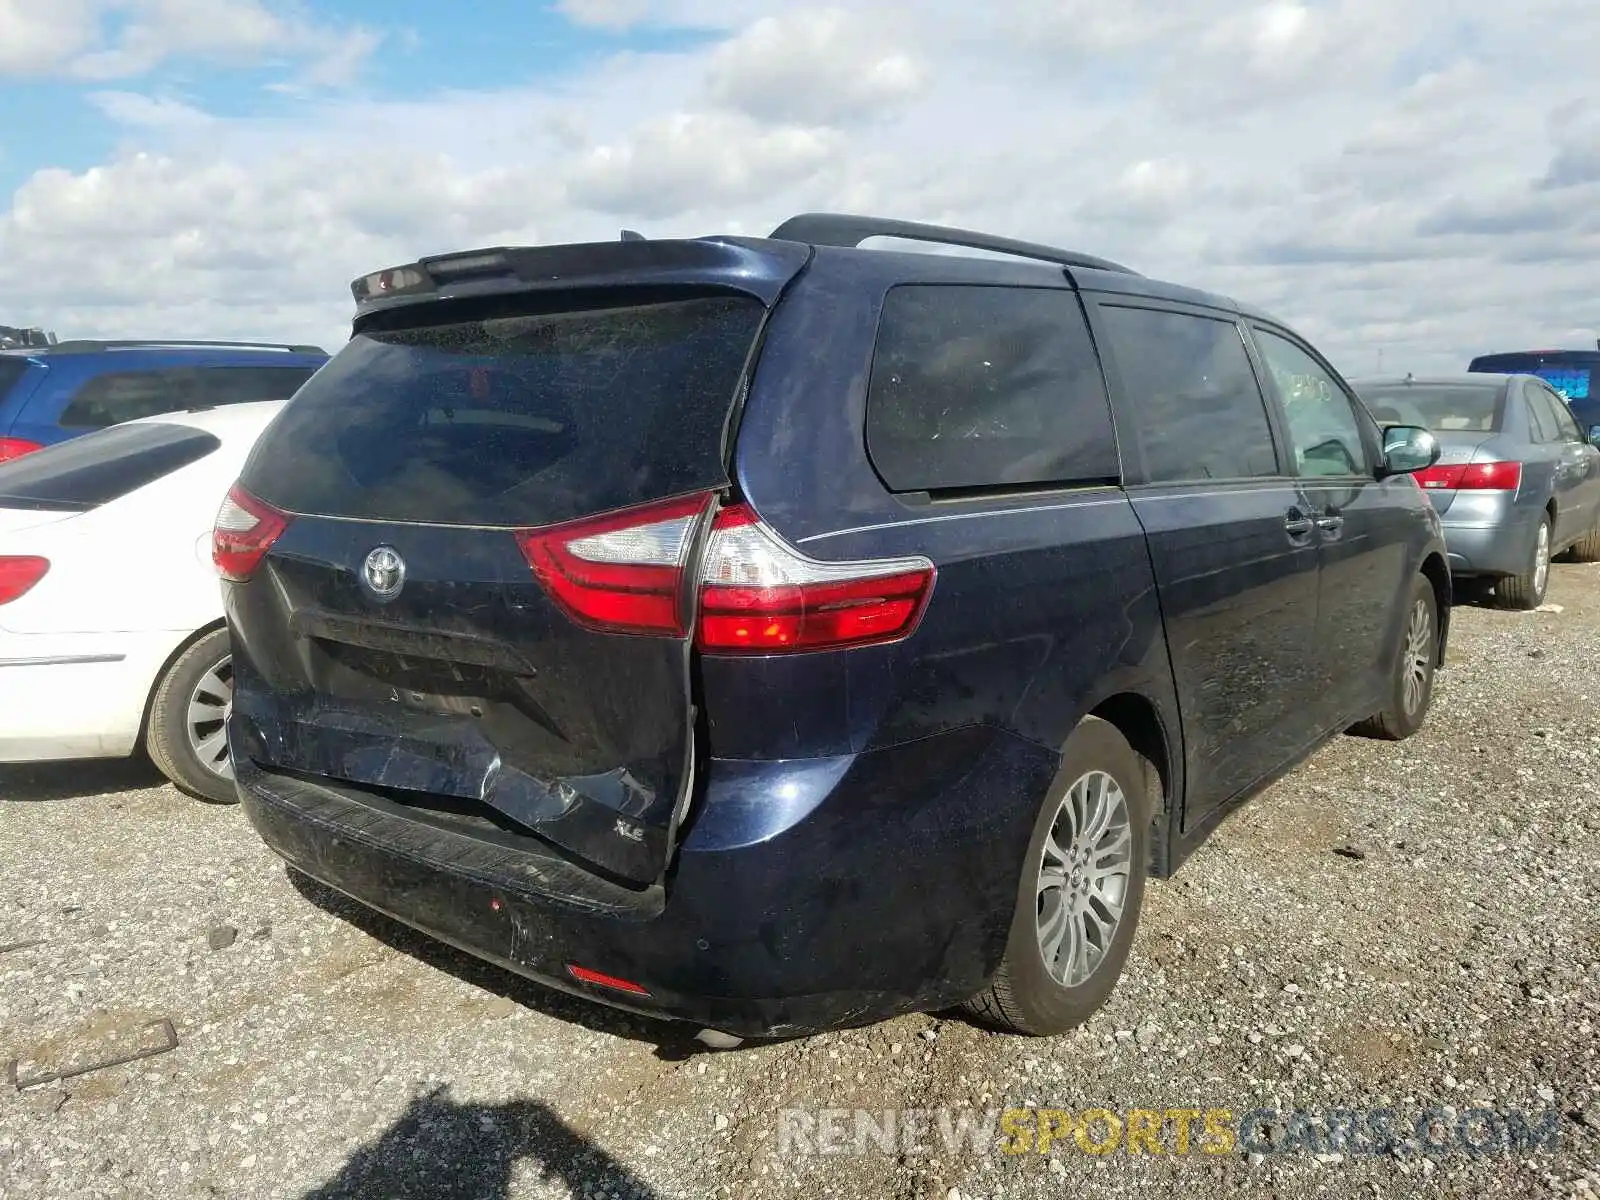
{"x": 780, "y": 634}
{"x": 49, "y": 393}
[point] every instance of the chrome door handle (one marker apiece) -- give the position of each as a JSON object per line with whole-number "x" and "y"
{"x": 1297, "y": 526}
{"x": 1330, "y": 522}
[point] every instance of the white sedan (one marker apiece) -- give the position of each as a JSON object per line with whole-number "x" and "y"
{"x": 111, "y": 632}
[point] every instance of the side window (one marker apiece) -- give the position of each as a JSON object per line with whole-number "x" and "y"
{"x": 1541, "y": 420}
{"x": 121, "y": 396}
{"x": 214, "y": 386}
{"x": 1196, "y": 407}
{"x": 1566, "y": 425}
{"x": 1322, "y": 423}
{"x": 986, "y": 387}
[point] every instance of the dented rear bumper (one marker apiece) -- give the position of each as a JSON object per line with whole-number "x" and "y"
{"x": 807, "y": 895}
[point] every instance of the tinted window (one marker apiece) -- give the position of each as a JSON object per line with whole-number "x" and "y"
{"x": 127, "y": 395}
{"x": 1541, "y": 421}
{"x": 1322, "y": 424}
{"x": 11, "y": 370}
{"x": 1439, "y": 407}
{"x": 88, "y": 471}
{"x": 1197, "y": 409}
{"x": 986, "y": 387}
{"x": 1566, "y": 429}
{"x": 522, "y": 416}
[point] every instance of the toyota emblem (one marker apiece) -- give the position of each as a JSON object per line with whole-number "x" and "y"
{"x": 384, "y": 572}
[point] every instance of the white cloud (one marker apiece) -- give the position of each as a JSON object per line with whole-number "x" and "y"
{"x": 36, "y": 38}
{"x": 1422, "y": 179}
{"x": 824, "y": 66}
{"x": 121, "y": 39}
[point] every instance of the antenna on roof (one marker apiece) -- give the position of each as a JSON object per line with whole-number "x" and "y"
{"x": 629, "y": 235}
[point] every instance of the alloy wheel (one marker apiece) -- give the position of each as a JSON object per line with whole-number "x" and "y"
{"x": 1419, "y": 655}
{"x": 1083, "y": 878}
{"x": 210, "y": 705}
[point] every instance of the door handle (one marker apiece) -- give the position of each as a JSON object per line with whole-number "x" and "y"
{"x": 1297, "y": 525}
{"x": 1330, "y": 522}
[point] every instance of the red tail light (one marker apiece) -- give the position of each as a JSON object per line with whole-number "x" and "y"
{"x": 11, "y": 447}
{"x": 245, "y": 530}
{"x": 759, "y": 595}
{"x": 18, "y": 574}
{"x": 1483, "y": 477}
{"x": 623, "y": 572}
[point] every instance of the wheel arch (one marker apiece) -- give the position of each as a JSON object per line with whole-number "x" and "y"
{"x": 1437, "y": 572}
{"x": 1139, "y": 720}
{"x": 166, "y": 667}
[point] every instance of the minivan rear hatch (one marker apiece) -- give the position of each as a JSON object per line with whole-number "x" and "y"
{"x": 452, "y": 481}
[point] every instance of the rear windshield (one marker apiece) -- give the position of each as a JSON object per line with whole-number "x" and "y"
{"x": 517, "y": 418}
{"x": 1442, "y": 409}
{"x": 86, "y": 472}
{"x": 1574, "y": 380}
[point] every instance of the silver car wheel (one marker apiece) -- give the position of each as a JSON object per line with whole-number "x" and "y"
{"x": 210, "y": 705}
{"x": 1419, "y": 656}
{"x": 1541, "y": 559}
{"x": 1083, "y": 878}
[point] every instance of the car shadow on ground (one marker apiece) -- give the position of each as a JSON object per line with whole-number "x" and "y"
{"x": 77, "y": 780}
{"x": 443, "y": 1150}
{"x": 673, "y": 1042}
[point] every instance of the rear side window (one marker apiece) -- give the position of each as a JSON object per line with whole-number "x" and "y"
{"x": 88, "y": 471}
{"x": 11, "y": 370}
{"x": 1540, "y": 418}
{"x": 1197, "y": 409}
{"x": 983, "y": 387}
{"x": 525, "y": 417}
{"x": 119, "y": 396}
{"x": 1564, "y": 428}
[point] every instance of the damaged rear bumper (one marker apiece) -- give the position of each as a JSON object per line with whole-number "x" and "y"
{"x": 807, "y": 895}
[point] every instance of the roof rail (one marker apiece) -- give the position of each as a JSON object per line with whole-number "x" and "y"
{"x": 93, "y": 345}
{"x": 841, "y": 229}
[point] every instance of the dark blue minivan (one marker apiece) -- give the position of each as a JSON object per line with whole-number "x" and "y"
{"x": 780, "y": 634}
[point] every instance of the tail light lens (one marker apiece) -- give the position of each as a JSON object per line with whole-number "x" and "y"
{"x": 1478, "y": 476}
{"x": 11, "y": 447}
{"x": 18, "y": 575}
{"x": 623, "y": 572}
{"x": 245, "y": 529}
{"x": 759, "y": 595}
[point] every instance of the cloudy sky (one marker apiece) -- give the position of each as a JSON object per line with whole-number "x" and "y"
{"x": 1407, "y": 181}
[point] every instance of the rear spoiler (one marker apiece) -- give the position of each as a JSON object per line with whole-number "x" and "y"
{"x": 757, "y": 267}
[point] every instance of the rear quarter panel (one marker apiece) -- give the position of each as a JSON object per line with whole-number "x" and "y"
{"x": 1044, "y": 605}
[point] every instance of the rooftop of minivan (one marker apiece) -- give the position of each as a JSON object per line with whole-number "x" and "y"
{"x": 826, "y": 235}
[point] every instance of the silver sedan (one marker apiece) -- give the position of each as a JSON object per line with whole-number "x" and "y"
{"x": 1517, "y": 481}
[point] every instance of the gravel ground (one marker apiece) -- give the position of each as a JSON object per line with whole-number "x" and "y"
{"x": 1404, "y": 927}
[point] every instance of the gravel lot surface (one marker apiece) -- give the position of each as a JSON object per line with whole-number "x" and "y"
{"x": 1406, "y": 927}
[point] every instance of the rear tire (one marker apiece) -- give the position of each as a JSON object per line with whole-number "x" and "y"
{"x": 1412, "y": 688}
{"x": 1095, "y": 824}
{"x": 1526, "y": 591}
{"x": 1587, "y": 548}
{"x": 190, "y": 702}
